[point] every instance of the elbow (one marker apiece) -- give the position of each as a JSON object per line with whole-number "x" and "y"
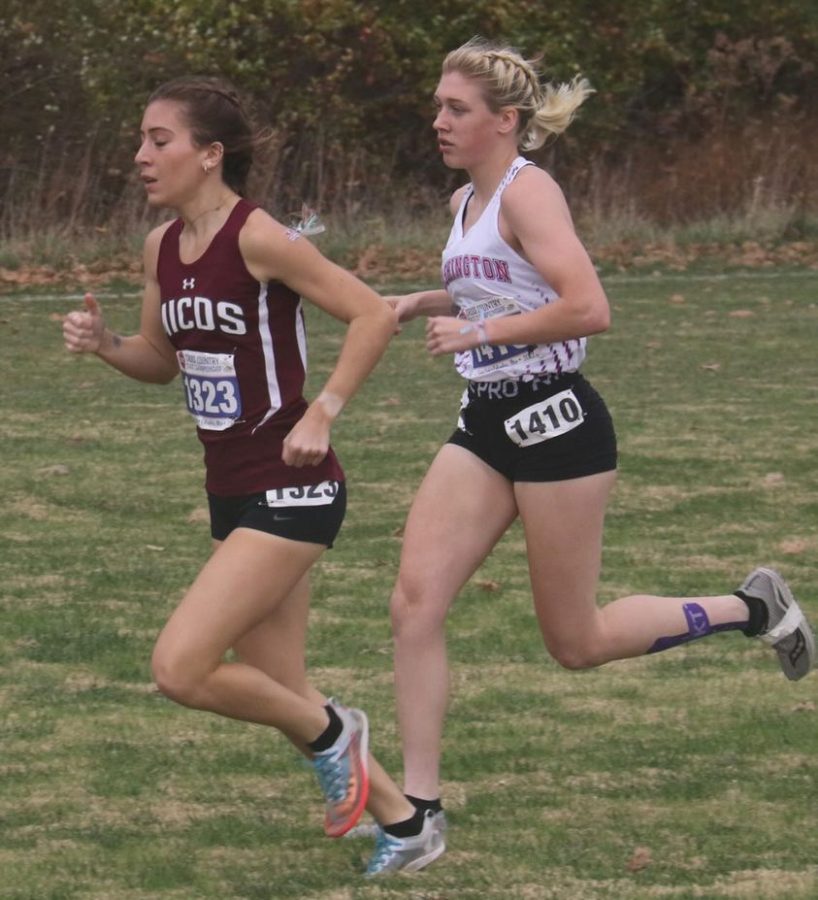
{"x": 602, "y": 321}
{"x": 387, "y": 320}
{"x": 392, "y": 318}
{"x": 597, "y": 319}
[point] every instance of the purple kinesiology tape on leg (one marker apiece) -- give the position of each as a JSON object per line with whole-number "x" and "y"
{"x": 698, "y": 626}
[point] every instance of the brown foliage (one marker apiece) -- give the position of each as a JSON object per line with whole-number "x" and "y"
{"x": 696, "y": 113}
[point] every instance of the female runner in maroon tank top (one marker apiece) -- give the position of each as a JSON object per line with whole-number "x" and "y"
{"x": 222, "y": 307}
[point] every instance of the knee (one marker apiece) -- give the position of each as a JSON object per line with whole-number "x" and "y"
{"x": 415, "y": 610}
{"x": 574, "y": 655}
{"x": 173, "y": 678}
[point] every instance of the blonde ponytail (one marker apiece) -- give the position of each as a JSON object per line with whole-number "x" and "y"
{"x": 507, "y": 79}
{"x": 555, "y": 112}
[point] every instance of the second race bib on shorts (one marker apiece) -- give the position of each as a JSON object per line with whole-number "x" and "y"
{"x": 304, "y": 495}
{"x": 545, "y": 420}
{"x": 211, "y": 388}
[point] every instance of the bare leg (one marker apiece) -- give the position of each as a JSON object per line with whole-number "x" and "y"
{"x": 563, "y": 523}
{"x": 276, "y": 646}
{"x": 459, "y": 513}
{"x": 249, "y": 577}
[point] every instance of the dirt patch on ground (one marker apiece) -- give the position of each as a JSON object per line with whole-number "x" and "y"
{"x": 378, "y": 263}
{"x": 87, "y": 276}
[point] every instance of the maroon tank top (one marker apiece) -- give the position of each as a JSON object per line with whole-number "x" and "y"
{"x": 242, "y": 352}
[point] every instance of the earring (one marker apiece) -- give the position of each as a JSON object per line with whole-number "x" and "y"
{"x": 206, "y": 168}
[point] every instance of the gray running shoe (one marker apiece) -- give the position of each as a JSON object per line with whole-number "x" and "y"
{"x": 371, "y": 829}
{"x": 788, "y": 631}
{"x": 407, "y": 854}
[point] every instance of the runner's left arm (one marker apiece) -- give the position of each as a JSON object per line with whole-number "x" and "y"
{"x": 538, "y": 224}
{"x": 271, "y": 253}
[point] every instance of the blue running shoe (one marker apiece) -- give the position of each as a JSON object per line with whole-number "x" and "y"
{"x": 343, "y": 774}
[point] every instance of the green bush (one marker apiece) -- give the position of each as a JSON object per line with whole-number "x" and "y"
{"x": 347, "y": 88}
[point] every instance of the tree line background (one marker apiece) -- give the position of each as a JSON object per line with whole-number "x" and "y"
{"x": 702, "y": 107}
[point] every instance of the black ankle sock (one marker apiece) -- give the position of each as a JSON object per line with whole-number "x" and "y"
{"x": 759, "y": 617}
{"x": 408, "y": 827}
{"x": 433, "y": 805}
{"x": 330, "y": 734}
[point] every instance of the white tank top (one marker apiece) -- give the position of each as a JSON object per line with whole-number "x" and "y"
{"x": 485, "y": 277}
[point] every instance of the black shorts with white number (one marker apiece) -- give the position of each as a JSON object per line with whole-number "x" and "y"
{"x": 550, "y": 429}
{"x": 311, "y": 513}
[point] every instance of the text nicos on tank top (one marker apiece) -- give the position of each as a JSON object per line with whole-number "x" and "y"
{"x": 204, "y": 314}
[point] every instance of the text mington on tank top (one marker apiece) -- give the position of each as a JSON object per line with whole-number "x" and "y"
{"x": 471, "y": 265}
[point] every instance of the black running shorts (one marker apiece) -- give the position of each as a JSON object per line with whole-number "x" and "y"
{"x": 553, "y": 428}
{"x": 311, "y": 513}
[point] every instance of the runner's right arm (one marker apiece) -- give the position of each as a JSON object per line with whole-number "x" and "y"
{"x": 146, "y": 356}
{"x": 421, "y": 303}
{"x": 427, "y": 303}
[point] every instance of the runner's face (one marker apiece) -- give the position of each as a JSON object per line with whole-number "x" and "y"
{"x": 170, "y": 165}
{"x": 466, "y": 128}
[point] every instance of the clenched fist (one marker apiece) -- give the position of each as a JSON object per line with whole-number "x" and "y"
{"x": 82, "y": 329}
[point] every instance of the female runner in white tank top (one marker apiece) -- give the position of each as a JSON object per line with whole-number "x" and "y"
{"x": 533, "y": 440}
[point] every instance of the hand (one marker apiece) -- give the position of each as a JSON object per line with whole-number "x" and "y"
{"x": 392, "y": 302}
{"x": 82, "y": 330}
{"x": 405, "y": 305}
{"x": 307, "y": 443}
{"x": 446, "y": 334}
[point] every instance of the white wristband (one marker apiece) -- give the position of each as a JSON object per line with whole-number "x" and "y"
{"x": 480, "y": 328}
{"x": 331, "y": 403}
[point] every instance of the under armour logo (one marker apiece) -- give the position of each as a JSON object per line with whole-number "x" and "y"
{"x": 188, "y": 284}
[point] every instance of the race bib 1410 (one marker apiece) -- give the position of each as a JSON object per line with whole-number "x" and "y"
{"x": 545, "y": 420}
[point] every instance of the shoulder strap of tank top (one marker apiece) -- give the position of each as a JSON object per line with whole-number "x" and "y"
{"x": 512, "y": 172}
{"x": 169, "y": 245}
{"x": 237, "y": 218}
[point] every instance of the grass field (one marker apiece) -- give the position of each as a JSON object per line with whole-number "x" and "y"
{"x": 689, "y": 774}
